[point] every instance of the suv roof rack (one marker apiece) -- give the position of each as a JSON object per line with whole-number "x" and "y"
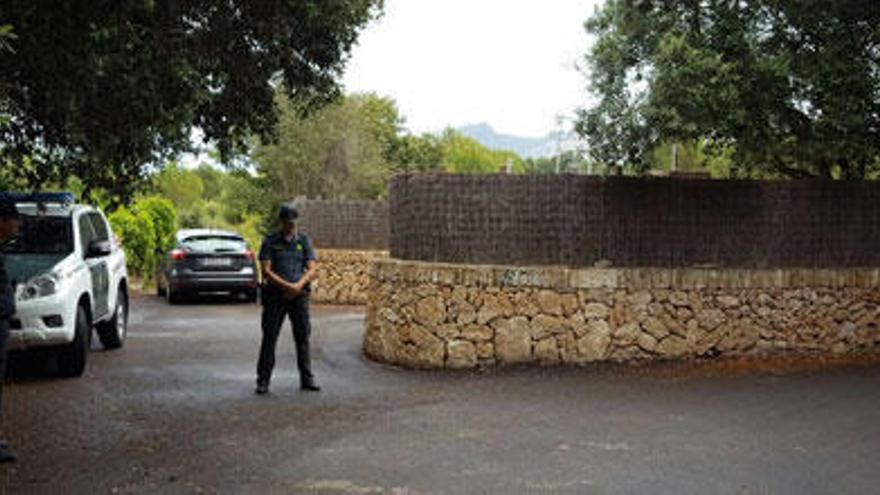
{"x": 60, "y": 198}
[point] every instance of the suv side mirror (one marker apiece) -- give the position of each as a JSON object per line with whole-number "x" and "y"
{"x": 98, "y": 248}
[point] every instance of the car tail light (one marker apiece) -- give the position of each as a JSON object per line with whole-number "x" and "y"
{"x": 249, "y": 255}
{"x": 178, "y": 255}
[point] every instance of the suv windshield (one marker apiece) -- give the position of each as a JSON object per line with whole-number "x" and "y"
{"x": 214, "y": 244}
{"x": 42, "y": 235}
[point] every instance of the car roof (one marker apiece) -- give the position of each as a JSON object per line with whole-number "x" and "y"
{"x": 187, "y": 233}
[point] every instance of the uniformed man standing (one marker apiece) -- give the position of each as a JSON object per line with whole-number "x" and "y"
{"x": 289, "y": 265}
{"x": 9, "y": 223}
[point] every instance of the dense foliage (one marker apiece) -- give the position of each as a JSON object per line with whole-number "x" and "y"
{"x": 349, "y": 150}
{"x": 104, "y": 90}
{"x": 461, "y": 154}
{"x": 789, "y": 88}
{"x": 145, "y": 231}
{"x": 340, "y": 151}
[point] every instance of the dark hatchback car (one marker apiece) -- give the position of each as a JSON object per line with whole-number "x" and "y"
{"x": 208, "y": 261}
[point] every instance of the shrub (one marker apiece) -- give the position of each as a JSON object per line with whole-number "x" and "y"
{"x": 138, "y": 237}
{"x": 161, "y": 212}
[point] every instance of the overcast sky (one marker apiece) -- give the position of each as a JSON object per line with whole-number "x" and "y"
{"x": 510, "y": 63}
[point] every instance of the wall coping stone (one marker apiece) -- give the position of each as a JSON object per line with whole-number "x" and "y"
{"x": 566, "y": 279}
{"x": 342, "y": 254}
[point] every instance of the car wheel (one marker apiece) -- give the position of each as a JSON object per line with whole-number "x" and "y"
{"x": 72, "y": 359}
{"x": 253, "y": 295}
{"x": 171, "y": 296}
{"x": 112, "y": 333}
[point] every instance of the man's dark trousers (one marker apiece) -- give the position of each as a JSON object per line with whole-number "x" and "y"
{"x": 274, "y": 313}
{"x": 4, "y": 337}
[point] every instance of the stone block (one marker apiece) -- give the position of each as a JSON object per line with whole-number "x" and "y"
{"x": 485, "y": 350}
{"x": 568, "y": 349}
{"x": 710, "y": 319}
{"x": 593, "y": 347}
{"x": 461, "y": 354}
{"x": 513, "y": 342}
{"x": 543, "y": 326}
{"x": 430, "y": 311}
{"x": 547, "y": 351}
{"x": 477, "y": 333}
{"x": 640, "y": 299}
{"x": 673, "y": 346}
{"x": 492, "y": 307}
{"x": 596, "y": 310}
{"x": 550, "y": 303}
{"x": 465, "y": 313}
{"x": 646, "y": 342}
{"x": 570, "y": 304}
{"x": 627, "y": 334}
{"x": 727, "y": 302}
{"x": 525, "y": 303}
{"x": 655, "y": 327}
{"x": 577, "y": 323}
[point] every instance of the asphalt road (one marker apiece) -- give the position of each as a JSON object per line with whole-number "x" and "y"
{"x": 174, "y": 412}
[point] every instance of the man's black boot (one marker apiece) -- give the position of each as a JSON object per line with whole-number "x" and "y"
{"x": 262, "y": 388}
{"x": 310, "y": 386}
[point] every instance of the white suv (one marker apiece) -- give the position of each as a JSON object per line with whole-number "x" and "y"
{"x": 69, "y": 276}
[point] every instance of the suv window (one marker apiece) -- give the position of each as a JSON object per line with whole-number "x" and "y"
{"x": 99, "y": 227}
{"x": 86, "y": 235}
{"x": 42, "y": 235}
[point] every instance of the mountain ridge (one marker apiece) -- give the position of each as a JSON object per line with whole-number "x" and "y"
{"x": 525, "y": 147}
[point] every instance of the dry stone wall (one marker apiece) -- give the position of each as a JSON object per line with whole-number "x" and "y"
{"x": 344, "y": 276}
{"x": 433, "y": 315}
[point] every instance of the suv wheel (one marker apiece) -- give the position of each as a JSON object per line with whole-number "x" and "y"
{"x": 72, "y": 359}
{"x": 112, "y": 333}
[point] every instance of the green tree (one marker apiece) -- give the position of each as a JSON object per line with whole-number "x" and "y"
{"x": 186, "y": 191}
{"x": 340, "y": 151}
{"x": 108, "y": 90}
{"x": 699, "y": 157}
{"x": 791, "y": 88}
{"x": 571, "y": 161}
{"x": 212, "y": 180}
{"x": 412, "y": 153}
{"x": 242, "y": 195}
{"x": 462, "y": 154}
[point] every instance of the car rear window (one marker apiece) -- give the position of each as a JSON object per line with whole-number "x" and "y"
{"x": 214, "y": 244}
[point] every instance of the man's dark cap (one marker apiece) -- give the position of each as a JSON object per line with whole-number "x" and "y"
{"x": 8, "y": 210}
{"x": 287, "y": 212}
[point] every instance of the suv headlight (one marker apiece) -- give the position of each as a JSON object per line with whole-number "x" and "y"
{"x": 40, "y": 286}
{"x": 45, "y": 285}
